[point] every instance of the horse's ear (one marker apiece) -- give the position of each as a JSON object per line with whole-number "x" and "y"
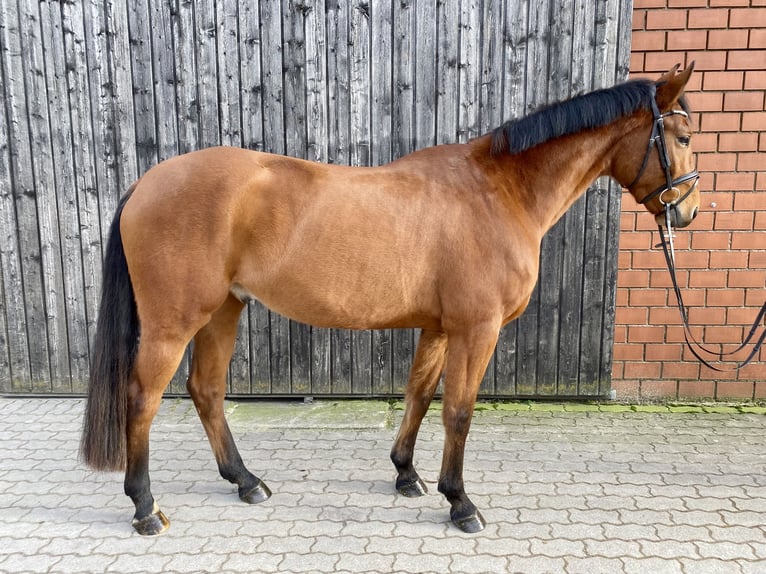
{"x": 672, "y": 88}
{"x": 667, "y": 76}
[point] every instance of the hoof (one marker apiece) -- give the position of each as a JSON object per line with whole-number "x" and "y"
{"x": 256, "y": 494}
{"x": 412, "y": 489}
{"x": 152, "y": 524}
{"x": 470, "y": 524}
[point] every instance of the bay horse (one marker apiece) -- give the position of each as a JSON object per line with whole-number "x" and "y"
{"x": 446, "y": 239}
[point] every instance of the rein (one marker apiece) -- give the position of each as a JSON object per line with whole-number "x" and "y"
{"x": 670, "y": 259}
{"x": 657, "y": 139}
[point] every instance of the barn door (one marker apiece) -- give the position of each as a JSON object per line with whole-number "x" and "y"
{"x": 94, "y": 94}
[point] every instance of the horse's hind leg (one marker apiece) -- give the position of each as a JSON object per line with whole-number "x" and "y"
{"x": 213, "y": 347}
{"x": 156, "y": 361}
{"x": 469, "y": 353}
{"x": 424, "y": 376}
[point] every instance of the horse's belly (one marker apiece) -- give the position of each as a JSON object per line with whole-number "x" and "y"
{"x": 340, "y": 303}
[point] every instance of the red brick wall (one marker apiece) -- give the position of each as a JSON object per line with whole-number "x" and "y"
{"x": 722, "y": 255}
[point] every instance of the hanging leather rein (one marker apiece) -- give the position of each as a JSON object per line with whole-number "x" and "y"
{"x": 657, "y": 139}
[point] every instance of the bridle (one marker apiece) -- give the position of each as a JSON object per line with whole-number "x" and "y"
{"x": 657, "y": 140}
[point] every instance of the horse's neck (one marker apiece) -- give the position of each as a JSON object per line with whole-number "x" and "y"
{"x": 550, "y": 177}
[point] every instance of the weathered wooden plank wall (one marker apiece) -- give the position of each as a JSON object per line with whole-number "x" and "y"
{"x": 94, "y": 93}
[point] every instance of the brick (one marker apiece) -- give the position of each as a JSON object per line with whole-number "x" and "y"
{"x": 659, "y": 389}
{"x": 626, "y": 390}
{"x": 715, "y": 162}
{"x": 735, "y": 390}
{"x": 649, "y": 4}
{"x": 712, "y": 240}
{"x": 755, "y": 80}
{"x": 706, "y": 142}
{"x": 631, "y": 316}
{"x": 661, "y": 62}
{"x": 666, "y": 19}
{"x": 720, "y": 122}
{"x": 648, "y": 41}
{"x": 662, "y": 352}
{"x": 664, "y": 316}
{"x": 722, "y": 334}
{"x": 718, "y": 80}
{"x": 686, "y": 3}
{"x": 662, "y": 279}
{"x": 636, "y": 65}
{"x": 708, "y": 60}
{"x": 757, "y": 39}
{"x": 746, "y": 60}
{"x": 696, "y": 389}
{"x": 734, "y": 181}
{"x": 760, "y": 221}
{"x": 707, "y": 278}
{"x": 729, "y": 260}
{"x": 639, "y": 19}
{"x": 707, "y": 316}
{"x": 752, "y": 162}
{"x": 628, "y": 352}
{"x": 750, "y": 200}
{"x": 645, "y": 334}
{"x": 725, "y": 297}
{"x": 756, "y": 278}
{"x": 680, "y": 371}
{"x": 633, "y": 278}
{"x": 737, "y": 220}
{"x": 757, "y": 259}
{"x": 690, "y": 40}
{"x": 708, "y": 18}
{"x": 741, "y": 316}
{"x": 641, "y": 297}
{"x": 754, "y": 121}
{"x": 706, "y": 101}
{"x": 724, "y": 201}
{"x": 648, "y": 260}
{"x": 747, "y": 18}
{"x": 743, "y": 101}
{"x": 642, "y": 370}
{"x": 738, "y": 142}
{"x": 728, "y": 39}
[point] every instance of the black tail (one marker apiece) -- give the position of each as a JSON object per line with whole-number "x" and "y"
{"x": 103, "y": 444}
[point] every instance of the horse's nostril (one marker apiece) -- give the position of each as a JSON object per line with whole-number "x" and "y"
{"x": 695, "y": 212}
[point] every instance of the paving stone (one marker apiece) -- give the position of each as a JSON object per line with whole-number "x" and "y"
{"x": 563, "y": 492}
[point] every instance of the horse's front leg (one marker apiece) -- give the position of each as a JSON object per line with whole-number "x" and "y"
{"x": 213, "y": 348}
{"x": 424, "y": 376}
{"x": 469, "y": 354}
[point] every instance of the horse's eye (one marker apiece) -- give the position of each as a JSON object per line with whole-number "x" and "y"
{"x": 684, "y": 140}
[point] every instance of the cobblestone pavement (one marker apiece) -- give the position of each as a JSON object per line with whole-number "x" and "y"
{"x": 563, "y": 490}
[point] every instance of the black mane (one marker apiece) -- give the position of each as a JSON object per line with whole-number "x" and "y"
{"x": 587, "y": 111}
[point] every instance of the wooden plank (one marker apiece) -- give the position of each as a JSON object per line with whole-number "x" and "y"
{"x": 83, "y": 157}
{"x": 274, "y": 141}
{"x": 163, "y": 65}
{"x": 425, "y": 86}
{"x": 382, "y": 93}
{"x": 316, "y": 97}
{"x": 67, "y": 241}
{"x": 141, "y": 38}
{"x": 227, "y": 42}
{"x": 403, "y": 141}
{"x": 254, "y": 322}
{"x": 338, "y": 149}
{"x": 15, "y": 353}
{"x": 447, "y": 75}
{"x": 30, "y": 280}
{"x": 185, "y": 67}
{"x": 497, "y": 380}
{"x": 294, "y": 90}
{"x": 360, "y": 154}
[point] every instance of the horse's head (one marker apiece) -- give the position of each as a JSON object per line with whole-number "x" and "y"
{"x": 659, "y": 163}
